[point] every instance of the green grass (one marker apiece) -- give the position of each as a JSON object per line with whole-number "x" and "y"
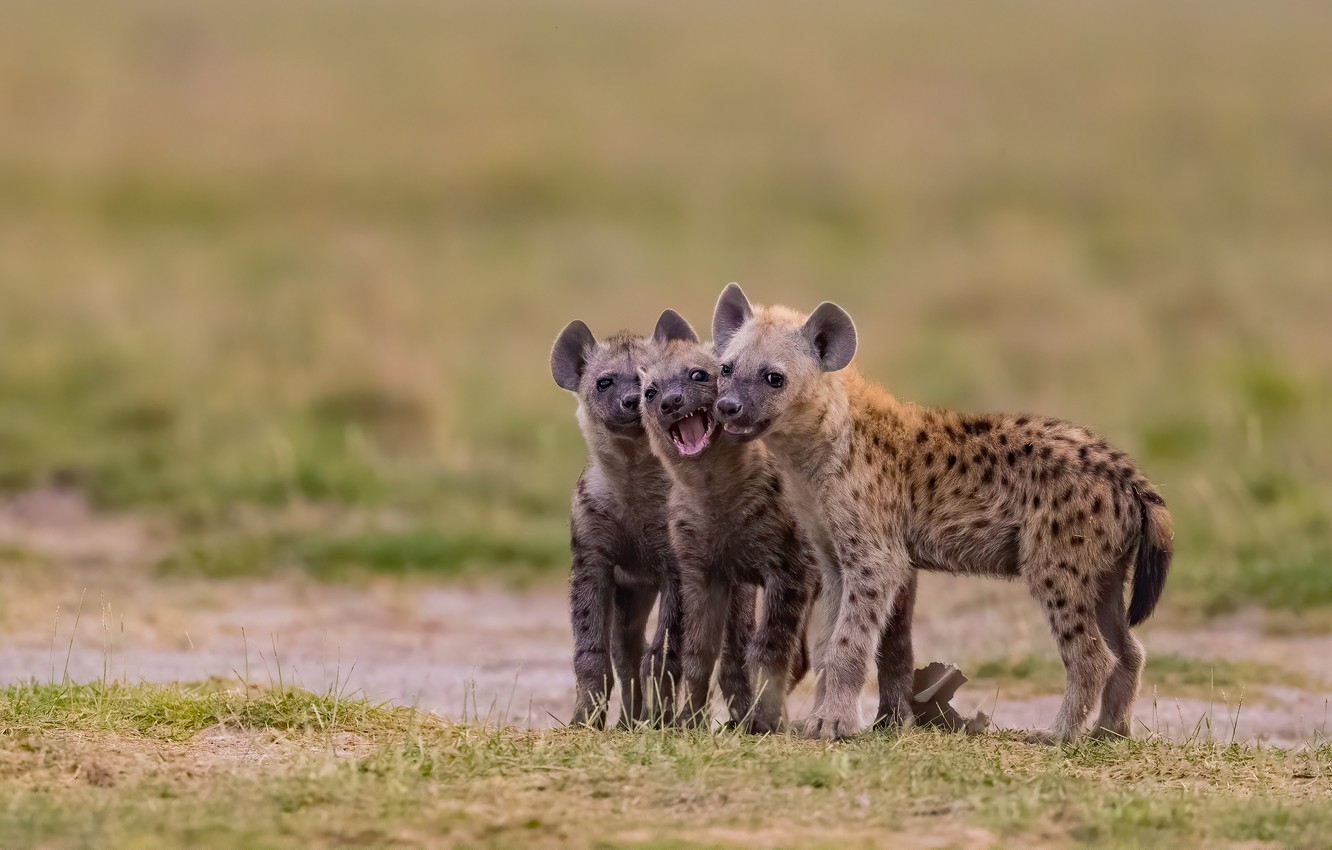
{"x": 1173, "y": 674}
{"x": 258, "y": 259}
{"x": 116, "y": 765}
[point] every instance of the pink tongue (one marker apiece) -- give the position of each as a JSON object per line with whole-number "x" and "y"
{"x": 692, "y": 431}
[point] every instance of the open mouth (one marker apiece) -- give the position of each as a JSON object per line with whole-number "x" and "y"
{"x": 692, "y": 432}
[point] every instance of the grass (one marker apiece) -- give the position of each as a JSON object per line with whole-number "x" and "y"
{"x": 139, "y": 764}
{"x": 259, "y": 260}
{"x": 1175, "y": 674}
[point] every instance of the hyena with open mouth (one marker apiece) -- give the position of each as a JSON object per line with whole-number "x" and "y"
{"x": 731, "y": 528}
{"x": 621, "y": 550}
{"x": 899, "y": 487}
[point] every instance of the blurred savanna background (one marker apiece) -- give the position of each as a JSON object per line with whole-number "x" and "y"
{"x": 278, "y": 285}
{"x": 284, "y": 277}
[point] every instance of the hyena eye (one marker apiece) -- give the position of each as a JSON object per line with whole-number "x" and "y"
{"x": 698, "y": 375}
{"x": 774, "y": 379}
{"x": 726, "y": 368}
{"x": 604, "y": 384}
{"x": 650, "y": 393}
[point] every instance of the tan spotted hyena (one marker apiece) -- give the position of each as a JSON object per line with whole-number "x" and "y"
{"x": 900, "y": 487}
{"x": 732, "y": 528}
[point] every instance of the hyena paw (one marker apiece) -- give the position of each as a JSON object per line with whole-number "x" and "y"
{"x": 1052, "y": 738}
{"x": 588, "y": 715}
{"x": 828, "y": 725}
{"x": 1111, "y": 732}
{"x": 895, "y": 716}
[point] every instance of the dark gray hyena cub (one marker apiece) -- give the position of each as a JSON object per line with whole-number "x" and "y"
{"x": 900, "y": 487}
{"x": 621, "y": 551}
{"x": 732, "y": 527}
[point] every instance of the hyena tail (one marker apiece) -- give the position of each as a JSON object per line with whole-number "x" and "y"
{"x": 1155, "y": 550}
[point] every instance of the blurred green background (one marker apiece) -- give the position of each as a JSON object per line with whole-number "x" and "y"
{"x": 284, "y": 276}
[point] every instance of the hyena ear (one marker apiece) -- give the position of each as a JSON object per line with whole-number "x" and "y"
{"x": 833, "y": 335}
{"x": 671, "y": 326}
{"x": 569, "y": 355}
{"x": 732, "y": 311}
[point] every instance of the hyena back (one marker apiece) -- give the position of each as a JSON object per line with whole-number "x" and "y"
{"x": 732, "y": 527}
{"x": 903, "y": 487}
{"x": 621, "y": 554}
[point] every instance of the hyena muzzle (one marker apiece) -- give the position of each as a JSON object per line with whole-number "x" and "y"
{"x": 902, "y": 487}
{"x": 732, "y": 528}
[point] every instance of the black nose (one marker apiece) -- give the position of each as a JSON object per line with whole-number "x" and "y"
{"x": 672, "y": 402}
{"x": 728, "y": 406}
{"x": 630, "y": 402}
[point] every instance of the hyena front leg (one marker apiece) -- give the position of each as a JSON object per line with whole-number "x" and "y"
{"x": 870, "y": 580}
{"x": 896, "y": 665}
{"x": 706, "y": 604}
{"x": 633, "y": 605}
{"x": 732, "y": 675}
{"x": 773, "y": 650}
{"x": 661, "y": 670}
{"x": 591, "y": 579}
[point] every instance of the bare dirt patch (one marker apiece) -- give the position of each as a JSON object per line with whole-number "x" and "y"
{"x": 91, "y": 609}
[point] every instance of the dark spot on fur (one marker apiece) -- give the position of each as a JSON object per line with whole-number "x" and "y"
{"x": 851, "y": 597}
{"x": 988, "y": 475}
{"x": 1066, "y": 637}
{"x": 952, "y": 461}
{"x": 929, "y": 485}
{"x": 981, "y": 523}
{"x": 1027, "y": 449}
{"x": 1021, "y": 420}
{"x": 1036, "y": 500}
{"x": 1003, "y": 439}
{"x": 929, "y": 459}
{"x": 1054, "y": 526}
{"x": 922, "y": 436}
{"x": 962, "y": 468}
{"x": 1082, "y": 452}
{"x": 1079, "y": 629}
{"x": 1046, "y": 451}
{"x": 1049, "y": 583}
{"x": 1012, "y": 458}
{"x": 1060, "y": 602}
{"x": 1065, "y": 566}
{"x": 844, "y": 641}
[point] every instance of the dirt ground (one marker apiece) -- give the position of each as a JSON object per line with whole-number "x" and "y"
{"x": 87, "y": 606}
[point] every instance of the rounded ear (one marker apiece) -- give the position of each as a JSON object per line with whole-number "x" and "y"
{"x": 732, "y": 311}
{"x": 569, "y": 355}
{"x": 671, "y": 326}
{"x": 833, "y": 335}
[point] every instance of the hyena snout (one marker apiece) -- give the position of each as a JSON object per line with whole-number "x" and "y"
{"x": 672, "y": 402}
{"x": 728, "y": 407}
{"x": 629, "y": 401}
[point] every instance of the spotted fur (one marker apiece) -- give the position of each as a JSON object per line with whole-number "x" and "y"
{"x": 901, "y": 487}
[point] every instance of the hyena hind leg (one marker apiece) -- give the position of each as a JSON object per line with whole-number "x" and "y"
{"x": 1121, "y": 688}
{"x": 1088, "y": 662}
{"x": 896, "y": 664}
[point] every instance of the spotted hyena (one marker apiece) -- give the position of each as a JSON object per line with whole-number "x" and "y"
{"x": 900, "y": 487}
{"x": 731, "y": 528}
{"x": 620, "y": 546}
